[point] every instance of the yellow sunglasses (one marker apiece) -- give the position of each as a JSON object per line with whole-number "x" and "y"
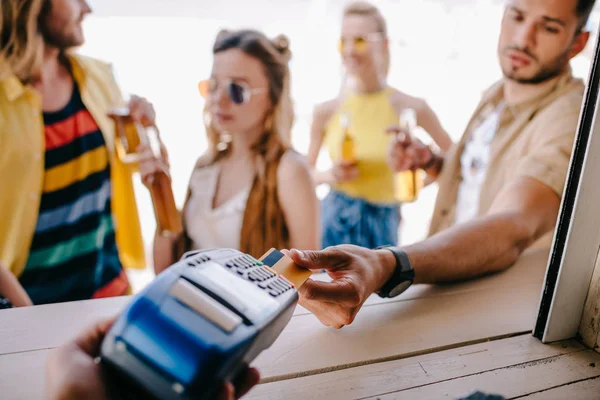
{"x": 359, "y": 43}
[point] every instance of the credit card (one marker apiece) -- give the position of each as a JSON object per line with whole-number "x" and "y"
{"x": 286, "y": 267}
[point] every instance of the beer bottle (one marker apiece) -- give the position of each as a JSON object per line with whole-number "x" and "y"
{"x": 348, "y": 146}
{"x": 407, "y": 183}
{"x": 129, "y": 134}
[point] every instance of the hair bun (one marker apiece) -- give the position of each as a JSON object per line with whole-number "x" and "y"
{"x": 282, "y": 45}
{"x": 223, "y": 33}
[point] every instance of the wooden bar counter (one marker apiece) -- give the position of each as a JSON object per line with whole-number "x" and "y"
{"x": 432, "y": 342}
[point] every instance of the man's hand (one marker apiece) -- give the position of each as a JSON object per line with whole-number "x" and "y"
{"x": 142, "y": 111}
{"x": 357, "y": 273}
{"x": 72, "y": 373}
{"x": 247, "y": 379}
{"x": 150, "y": 164}
{"x": 407, "y": 152}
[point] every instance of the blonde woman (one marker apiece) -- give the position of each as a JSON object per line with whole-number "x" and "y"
{"x": 250, "y": 191}
{"x": 361, "y": 208}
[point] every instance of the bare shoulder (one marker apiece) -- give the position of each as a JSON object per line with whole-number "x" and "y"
{"x": 401, "y": 100}
{"x": 293, "y": 170}
{"x": 206, "y": 159}
{"x": 324, "y": 111}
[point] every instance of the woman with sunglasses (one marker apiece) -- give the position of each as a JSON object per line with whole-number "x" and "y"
{"x": 360, "y": 208}
{"x": 250, "y": 191}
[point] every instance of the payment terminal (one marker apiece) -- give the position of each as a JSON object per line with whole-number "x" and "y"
{"x": 197, "y": 324}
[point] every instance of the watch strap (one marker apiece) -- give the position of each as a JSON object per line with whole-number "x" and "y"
{"x": 403, "y": 272}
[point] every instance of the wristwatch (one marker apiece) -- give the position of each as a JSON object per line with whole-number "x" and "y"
{"x": 403, "y": 276}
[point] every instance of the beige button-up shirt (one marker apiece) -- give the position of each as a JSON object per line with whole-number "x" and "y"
{"x": 534, "y": 138}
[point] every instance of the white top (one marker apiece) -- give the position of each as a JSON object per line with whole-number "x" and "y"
{"x": 474, "y": 163}
{"x": 210, "y": 228}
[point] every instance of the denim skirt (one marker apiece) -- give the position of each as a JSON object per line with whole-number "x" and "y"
{"x": 350, "y": 220}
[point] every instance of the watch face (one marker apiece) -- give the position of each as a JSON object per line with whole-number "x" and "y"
{"x": 400, "y": 288}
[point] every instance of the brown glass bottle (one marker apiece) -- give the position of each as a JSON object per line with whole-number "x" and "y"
{"x": 129, "y": 135}
{"x": 348, "y": 150}
{"x": 407, "y": 184}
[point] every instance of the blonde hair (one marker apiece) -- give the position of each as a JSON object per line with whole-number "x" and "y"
{"x": 21, "y": 42}
{"x": 263, "y": 224}
{"x": 365, "y": 9}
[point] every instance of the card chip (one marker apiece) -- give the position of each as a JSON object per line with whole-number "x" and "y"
{"x": 286, "y": 267}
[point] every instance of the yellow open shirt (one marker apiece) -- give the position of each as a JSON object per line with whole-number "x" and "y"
{"x": 22, "y": 164}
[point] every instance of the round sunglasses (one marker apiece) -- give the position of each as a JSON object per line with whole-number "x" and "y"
{"x": 238, "y": 92}
{"x": 359, "y": 43}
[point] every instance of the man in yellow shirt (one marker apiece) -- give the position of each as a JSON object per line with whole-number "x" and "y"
{"x": 67, "y": 206}
{"x": 500, "y": 187}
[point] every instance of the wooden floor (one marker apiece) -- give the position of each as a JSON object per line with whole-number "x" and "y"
{"x": 431, "y": 343}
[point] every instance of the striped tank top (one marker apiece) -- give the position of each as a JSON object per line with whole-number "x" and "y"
{"x": 73, "y": 255}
